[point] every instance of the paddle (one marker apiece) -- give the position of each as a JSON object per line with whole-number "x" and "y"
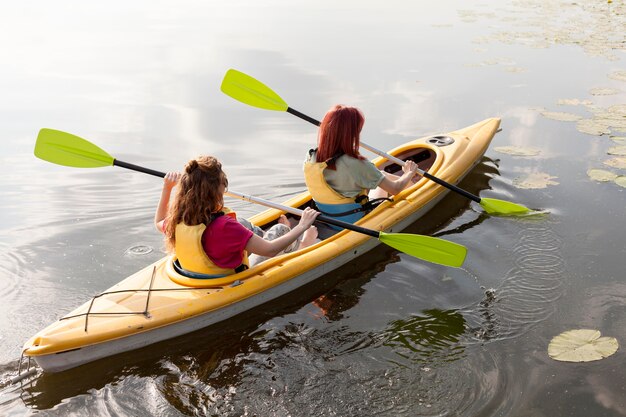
{"x": 69, "y": 150}
{"x": 248, "y": 90}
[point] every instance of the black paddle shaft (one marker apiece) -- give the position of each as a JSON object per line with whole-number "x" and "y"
{"x": 138, "y": 168}
{"x": 329, "y": 220}
{"x": 452, "y": 187}
{"x": 303, "y": 116}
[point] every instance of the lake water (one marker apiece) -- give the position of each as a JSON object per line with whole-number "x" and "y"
{"x": 389, "y": 334}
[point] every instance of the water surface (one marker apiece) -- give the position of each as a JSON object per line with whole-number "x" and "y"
{"x": 387, "y": 334}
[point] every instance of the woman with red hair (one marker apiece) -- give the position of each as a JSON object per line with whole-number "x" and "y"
{"x": 338, "y": 177}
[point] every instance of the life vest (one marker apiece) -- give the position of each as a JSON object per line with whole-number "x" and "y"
{"x": 329, "y": 201}
{"x": 191, "y": 254}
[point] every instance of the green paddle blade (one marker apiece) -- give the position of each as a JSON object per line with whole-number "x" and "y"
{"x": 495, "y": 206}
{"x": 66, "y": 149}
{"x": 250, "y": 91}
{"x": 428, "y": 248}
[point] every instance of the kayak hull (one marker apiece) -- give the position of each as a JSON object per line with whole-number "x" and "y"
{"x": 153, "y": 305}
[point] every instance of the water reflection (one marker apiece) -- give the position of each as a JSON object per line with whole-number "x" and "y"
{"x": 386, "y": 335}
{"x": 434, "y": 334}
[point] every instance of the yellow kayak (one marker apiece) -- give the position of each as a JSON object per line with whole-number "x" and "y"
{"x": 157, "y": 303}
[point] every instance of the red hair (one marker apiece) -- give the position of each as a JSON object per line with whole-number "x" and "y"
{"x": 339, "y": 134}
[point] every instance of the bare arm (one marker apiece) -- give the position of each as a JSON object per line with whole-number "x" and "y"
{"x": 394, "y": 184}
{"x": 263, "y": 247}
{"x": 170, "y": 180}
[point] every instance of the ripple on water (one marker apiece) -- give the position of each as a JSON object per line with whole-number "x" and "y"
{"x": 527, "y": 293}
{"x": 11, "y": 269}
{"x": 295, "y": 369}
{"x": 138, "y": 250}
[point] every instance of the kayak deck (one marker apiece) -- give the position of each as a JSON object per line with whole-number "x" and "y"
{"x": 156, "y": 303}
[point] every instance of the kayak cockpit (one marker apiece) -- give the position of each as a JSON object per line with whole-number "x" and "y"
{"x": 424, "y": 158}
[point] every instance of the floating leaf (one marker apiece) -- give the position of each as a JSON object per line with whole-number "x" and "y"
{"x": 617, "y": 150}
{"x": 621, "y": 181}
{"x": 603, "y": 91}
{"x": 581, "y": 345}
{"x": 518, "y": 151}
{"x": 588, "y": 25}
{"x": 618, "y": 139}
{"x": 514, "y": 69}
{"x": 562, "y": 116}
{"x": 618, "y": 75}
{"x": 592, "y": 127}
{"x": 618, "y": 109}
{"x": 601, "y": 175}
{"x": 535, "y": 181}
{"x": 610, "y": 119}
{"x": 574, "y": 102}
{"x": 618, "y": 162}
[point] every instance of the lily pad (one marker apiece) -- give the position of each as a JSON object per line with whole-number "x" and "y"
{"x": 618, "y": 109}
{"x": 592, "y": 127}
{"x": 618, "y": 75}
{"x": 562, "y": 116}
{"x": 617, "y": 162}
{"x": 514, "y": 69}
{"x": 621, "y": 181}
{"x": 618, "y": 139}
{"x": 518, "y": 150}
{"x": 617, "y": 150}
{"x": 581, "y": 345}
{"x": 601, "y": 175}
{"x": 603, "y": 91}
{"x": 535, "y": 181}
{"x": 574, "y": 102}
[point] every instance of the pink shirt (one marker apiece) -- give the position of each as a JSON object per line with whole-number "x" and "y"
{"x": 224, "y": 241}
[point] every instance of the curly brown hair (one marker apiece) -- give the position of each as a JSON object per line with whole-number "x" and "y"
{"x": 198, "y": 197}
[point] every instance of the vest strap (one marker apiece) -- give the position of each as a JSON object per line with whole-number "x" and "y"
{"x": 190, "y": 274}
{"x": 197, "y": 275}
{"x": 366, "y": 206}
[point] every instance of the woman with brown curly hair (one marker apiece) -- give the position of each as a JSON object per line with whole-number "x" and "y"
{"x": 205, "y": 235}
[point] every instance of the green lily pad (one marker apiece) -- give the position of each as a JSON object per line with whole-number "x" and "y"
{"x": 613, "y": 118}
{"x": 574, "y": 102}
{"x": 514, "y": 69}
{"x": 618, "y": 75}
{"x": 562, "y": 116}
{"x": 581, "y": 345}
{"x": 617, "y": 162}
{"x": 601, "y": 175}
{"x": 603, "y": 91}
{"x": 592, "y": 127}
{"x": 617, "y": 150}
{"x": 618, "y": 109}
{"x": 535, "y": 180}
{"x": 518, "y": 150}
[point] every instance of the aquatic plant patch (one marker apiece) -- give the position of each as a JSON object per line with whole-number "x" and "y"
{"x": 581, "y": 345}
{"x": 536, "y": 180}
{"x": 601, "y": 175}
{"x": 518, "y": 150}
